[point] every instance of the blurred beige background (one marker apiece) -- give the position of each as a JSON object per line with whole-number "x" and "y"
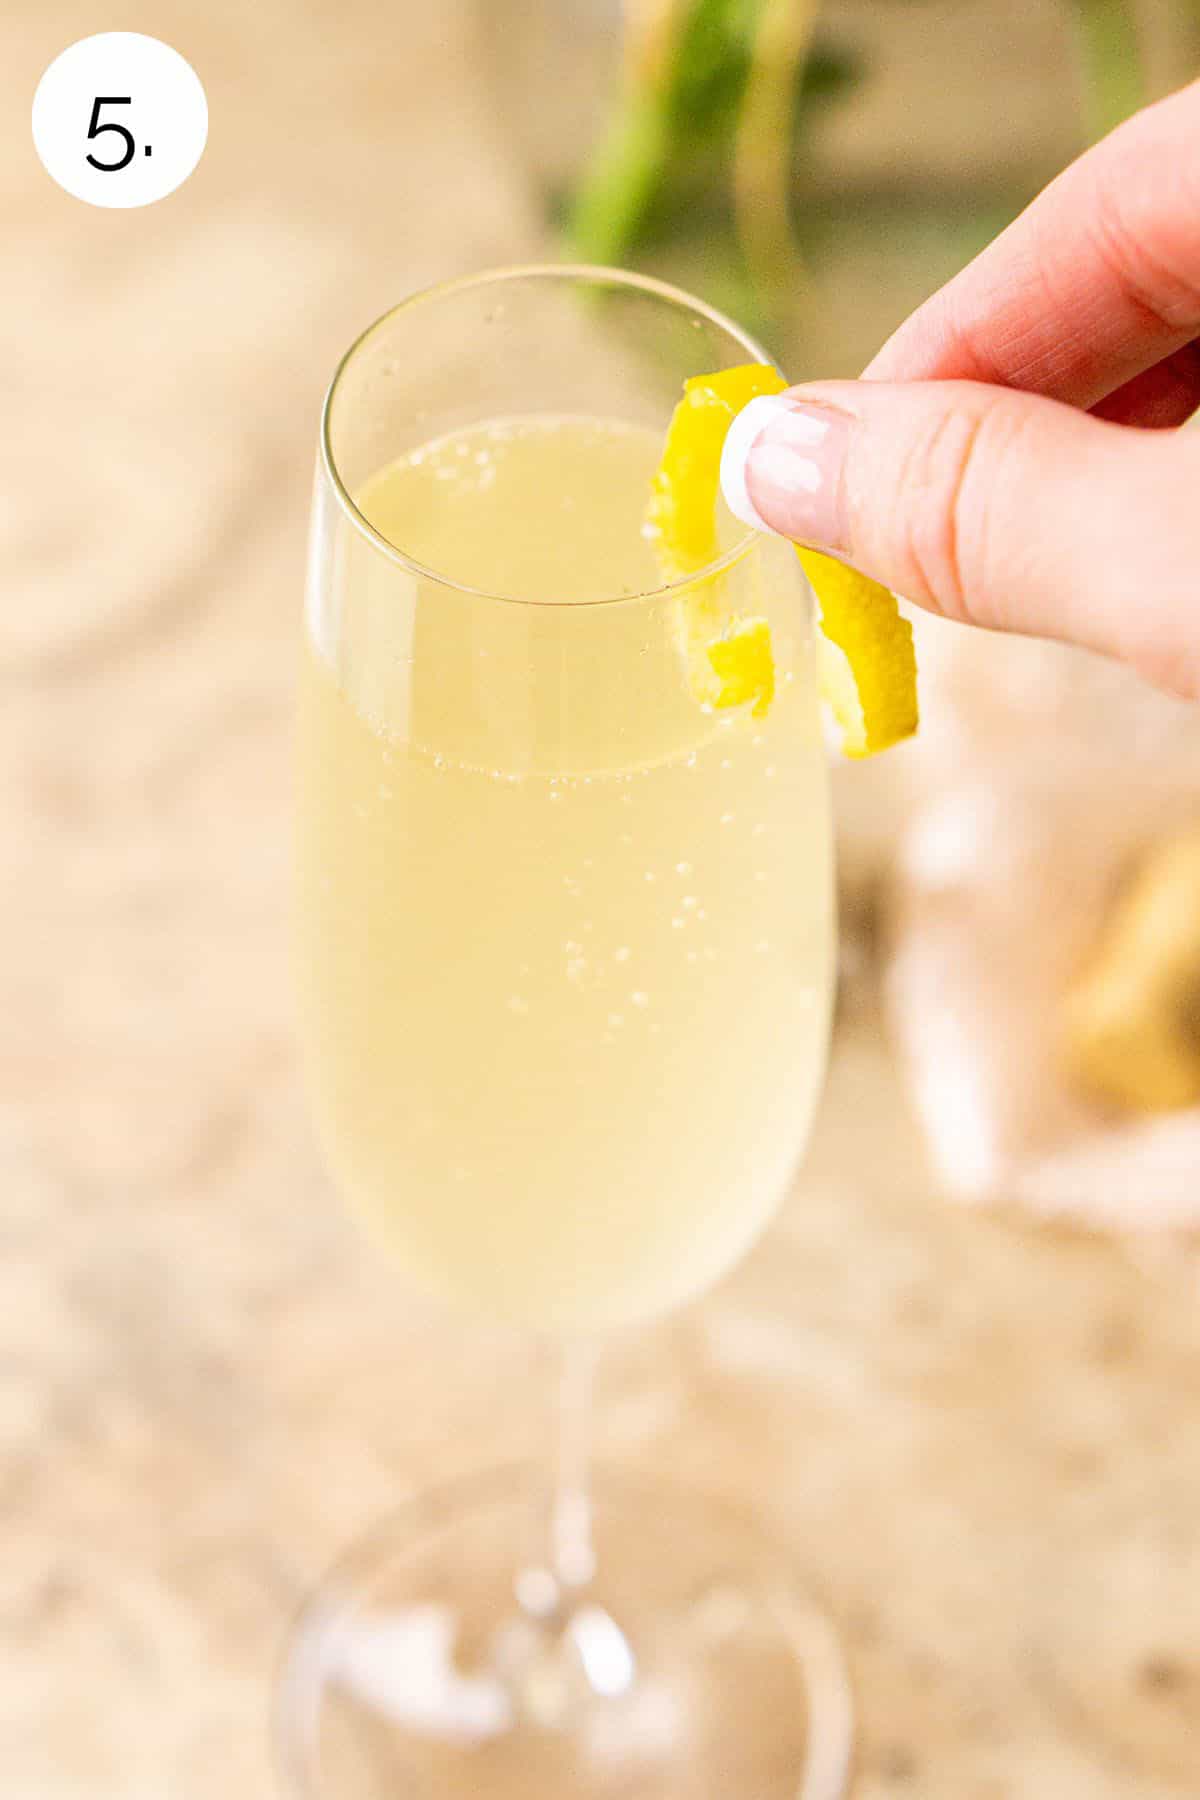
{"x": 977, "y": 1434}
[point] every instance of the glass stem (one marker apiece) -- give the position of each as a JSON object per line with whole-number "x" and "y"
{"x": 571, "y": 1558}
{"x": 565, "y": 1651}
{"x": 563, "y": 1559}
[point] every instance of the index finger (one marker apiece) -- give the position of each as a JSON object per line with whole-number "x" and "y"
{"x": 1097, "y": 281}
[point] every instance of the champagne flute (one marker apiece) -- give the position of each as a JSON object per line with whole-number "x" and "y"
{"x": 566, "y": 954}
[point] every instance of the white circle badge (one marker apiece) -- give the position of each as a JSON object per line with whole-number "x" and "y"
{"x": 120, "y": 119}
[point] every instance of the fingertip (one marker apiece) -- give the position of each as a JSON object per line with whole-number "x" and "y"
{"x": 748, "y": 426}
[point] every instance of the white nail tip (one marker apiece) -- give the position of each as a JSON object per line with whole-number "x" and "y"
{"x": 748, "y": 426}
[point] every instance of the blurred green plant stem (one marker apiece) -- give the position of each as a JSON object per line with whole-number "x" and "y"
{"x": 716, "y": 97}
{"x": 1113, "y": 79}
{"x": 713, "y": 93}
{"x": 762, "y": 157}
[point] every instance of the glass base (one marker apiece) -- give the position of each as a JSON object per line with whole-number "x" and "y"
{"x": 442, "y": 1659}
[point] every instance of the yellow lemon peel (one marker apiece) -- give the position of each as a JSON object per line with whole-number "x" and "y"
{"x": 869, "y": 672}
{"x": 682, "y": 513}
{"x": 744, "y": 665}
{"x": 873, "y": 695}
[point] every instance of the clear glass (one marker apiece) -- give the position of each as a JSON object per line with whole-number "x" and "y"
{"x": 566, "y": 952}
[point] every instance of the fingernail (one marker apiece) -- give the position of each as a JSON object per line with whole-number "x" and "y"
{"x": 781, "y": 469}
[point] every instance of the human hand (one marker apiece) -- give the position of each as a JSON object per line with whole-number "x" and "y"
{"x": 1010, "y": 458}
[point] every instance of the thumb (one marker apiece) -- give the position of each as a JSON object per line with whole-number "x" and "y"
{"x": 989, "y": 506}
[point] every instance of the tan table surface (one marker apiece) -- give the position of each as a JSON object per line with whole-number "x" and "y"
{"x": 979, "y": 1437}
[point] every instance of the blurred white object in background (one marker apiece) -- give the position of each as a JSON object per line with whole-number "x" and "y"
{"x": 1040, "y": 779}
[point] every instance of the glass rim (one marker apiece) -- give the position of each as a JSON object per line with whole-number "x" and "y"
{"x": 574, "y": 272}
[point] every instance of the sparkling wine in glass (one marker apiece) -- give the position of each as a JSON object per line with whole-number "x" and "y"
{"x": 566, "y": 952}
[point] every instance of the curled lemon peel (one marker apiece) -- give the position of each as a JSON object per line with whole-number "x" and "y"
{"x": 744, "y": 665}
{"x": 869, "y": 671}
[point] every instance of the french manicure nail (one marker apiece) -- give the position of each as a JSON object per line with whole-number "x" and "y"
{"x": 781, "y": 469}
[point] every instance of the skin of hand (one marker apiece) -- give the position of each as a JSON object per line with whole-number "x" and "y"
{"x": 1012, "y": 457}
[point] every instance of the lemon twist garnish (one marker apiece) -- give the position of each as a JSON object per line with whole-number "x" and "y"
{"x": 682, "y": 513}
{"x": 869, "y": 666}
{"x": 744, "y": 665}
{"x": 869, "y": 671}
